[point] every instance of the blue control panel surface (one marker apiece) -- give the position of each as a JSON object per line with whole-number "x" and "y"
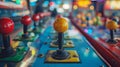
{"x": 87, "y": 55}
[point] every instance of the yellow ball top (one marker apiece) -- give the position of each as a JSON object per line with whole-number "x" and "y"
{"x": 112, "y": 25}
{"x": 61, "y": 24}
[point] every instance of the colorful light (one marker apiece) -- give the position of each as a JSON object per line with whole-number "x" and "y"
{"x": 75, "y": 7}
{"x": 113, "y": 4}
{"x": 18, "y": 1}
{"x": 51, "y": 3}
{"x": 91, "y": 7}
{"x": 52, "y": 8}
{"x": 66, "y": 6}
{"x": 90, "y": 31}
{"x": 33, "y": 0}
{"x": 58, "y": 2}
{"x": 60, "y": 10}
{"x": 45, "y": 4}
{"x": 83, "y": 3}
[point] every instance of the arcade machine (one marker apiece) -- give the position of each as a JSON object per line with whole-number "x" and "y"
{"x": 60, "y": 44}
{"x": 79, "y": 55}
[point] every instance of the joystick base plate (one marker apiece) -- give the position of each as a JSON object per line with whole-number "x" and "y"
{"x": 30, "y": 38}
{"x": 74, "y": 58}
{"x": 20, "y": 54}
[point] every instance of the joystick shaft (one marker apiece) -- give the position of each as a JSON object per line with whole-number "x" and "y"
{"x": 24, "y": 29}
{"x": 6, "y": 41}
{"x": 60, "y": 40}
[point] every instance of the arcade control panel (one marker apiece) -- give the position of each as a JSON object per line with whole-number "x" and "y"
{"x": 47, "y": 43}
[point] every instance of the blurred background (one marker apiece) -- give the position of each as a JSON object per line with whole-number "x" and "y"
{"x": 15, "y": 9}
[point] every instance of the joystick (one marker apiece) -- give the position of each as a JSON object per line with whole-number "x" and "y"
{"x": 35, "y": 18}
{"x": 112, "y": 25}
{"x": 60, "y": 25}
{"x": 6, "y": 27}
{"x": 8, "y": 53}
{"x": 26, "y": 35}
{"x": 61, "y": 55}
{"x": 67, "y": 43}
{"x": 26, "y": 20}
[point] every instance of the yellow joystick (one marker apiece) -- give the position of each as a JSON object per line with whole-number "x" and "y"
{"x": 61, "y": 25}
{"x": 112, "y": 25}
{"x": 61, "y": 55}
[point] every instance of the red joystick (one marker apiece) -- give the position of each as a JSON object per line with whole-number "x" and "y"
{"x": 35, "y": 18}
{"x": 26, "y": 20}
{"x": 6, "y": 27}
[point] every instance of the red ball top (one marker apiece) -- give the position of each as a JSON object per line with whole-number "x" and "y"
{"x": 26, "y": 20}
{"x": 6, "y": 25}
{"x": 35, "y": 17}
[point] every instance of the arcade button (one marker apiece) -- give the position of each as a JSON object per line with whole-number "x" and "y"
{"x": 9, "y": 53}
{"x": 60, "y": 55}
{"x": 25, "y": 36}
{"x": 111, "y": 25}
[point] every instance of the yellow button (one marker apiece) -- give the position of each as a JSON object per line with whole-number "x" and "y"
{"x": 61, "y": 24}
